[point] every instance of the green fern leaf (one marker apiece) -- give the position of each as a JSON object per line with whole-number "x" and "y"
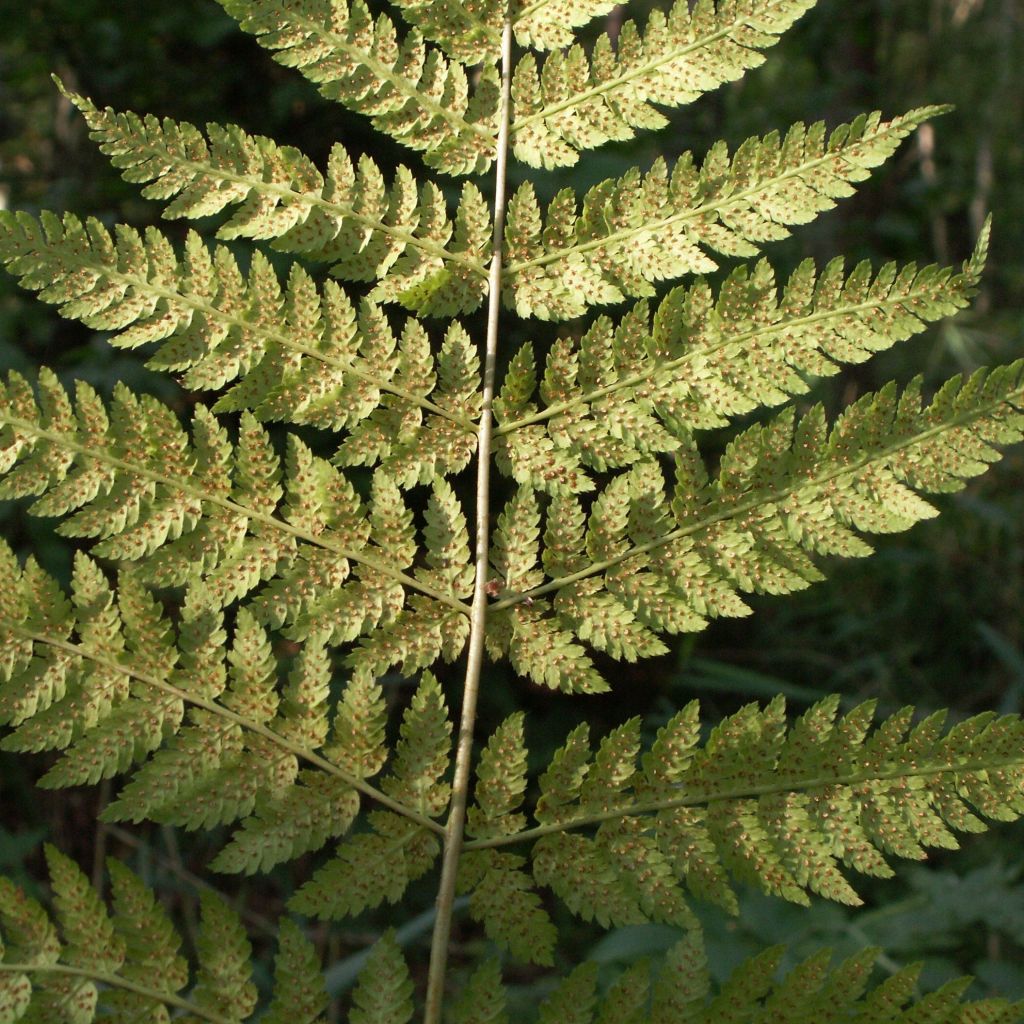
{"x": 564, "y": 538}
{"x": 90, "y": 940}
{"x": 782, "y": 808}
{"x": 799, "y": 489}
{"x": 613, "y": 768}
{"x": 482, "y": 1001}
{"x": 409, "y": 91}
{"x": 298, "y": 353}
{"x": 413, "y": 446}
{"x": 77, "y": 694}
{"x": 516, "y": 543}
{"x": 357, "y": 741}
{"x": 423, "y": 751}
{"x": 90, "y": 943}
{"x": 153, "y": 959}
{"x": 368, "y": 869}
{"x": 153, "y": 504}
{"x": 700, "y": 361}
{"x": 384, "y": 992}
{"x": 625, "y": 1001}
{"x": 377, "y": 866}
{"x": 517, "y": 386}
{"x": 504, "y": 901}
{"x": 127, "y": 967}
{"x": 233, "y": 758}
{"x": 531, "y": 458}
{"x": 468, "y": 34}
{"x": 581, "y": 874}
{"x": 223, "y": 982}
{"x": 543, "y": 652}
{"x": 813, "y": 990}
{"x": 641, "y": 229}
{"x": 446, "y": 539}
{"x": 671, "y": 753}
{"x": 500, "y": 782}
{"x": 546, "y": 24}
{"x": 575, "y": 103}
{"x": 286, "y": 825}
{"x": 575, "y": 999}
{"x": 300, "y": 577}
{"x": 562, "y": 782}
{"x": 299, "y": 996}
{"x": 27, "y": 938}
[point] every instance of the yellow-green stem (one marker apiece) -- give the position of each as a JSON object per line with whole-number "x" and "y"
{"x": 455, "y": 826}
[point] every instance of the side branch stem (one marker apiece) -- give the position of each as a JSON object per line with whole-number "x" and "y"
{"x": 455, "y": 826}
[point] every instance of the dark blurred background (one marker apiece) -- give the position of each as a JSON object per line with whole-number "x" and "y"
{"x": 934, "y": 619}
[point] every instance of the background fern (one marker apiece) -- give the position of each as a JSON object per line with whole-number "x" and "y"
{"x": 553, "y": 441}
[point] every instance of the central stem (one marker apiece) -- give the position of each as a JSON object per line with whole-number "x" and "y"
{"x": 455, "y": 826}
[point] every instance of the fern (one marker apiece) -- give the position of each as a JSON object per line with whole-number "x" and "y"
{"x": 243, "y": 593}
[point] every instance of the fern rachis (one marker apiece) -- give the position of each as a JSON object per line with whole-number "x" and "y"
{"x": 225, "y": 640}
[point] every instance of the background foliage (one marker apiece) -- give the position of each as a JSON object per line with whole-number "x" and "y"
{"x": 934, "y": 618}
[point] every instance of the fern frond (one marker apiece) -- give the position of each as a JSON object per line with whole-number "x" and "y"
{"x": 126, "y": 966}
{"x": 398, "y": 236}
{"x": 368, "y": 869}
{"x": 153, "y": 959}
{"x": 423, "y": 751}
{"x": 503, "y": 900}
{"x": 105, "y": 680}
{"x": 574, "y": 102}
{"x": 482, "y": 1001}
{"x": 625, "y": 390}
{"x": 408, "y": 91}
{"x": 357, "y": 741}
{"x": 467, "y": 32}
{"x": 143, "y": 489}
{"x": 811, "y": 991}
{"x": 785, "y": 492}
{"x": 61, "y": 690}
{"x": 642, "y": 228}
{"x": 412, "y": 448}
{"x": 625, "y": 1001}
{"x": 575, "y": 999}
{"x": 299, "y": 994}
{"x": 294, "y": 344}
{"x": 224, "y": 983}
{"x": 540, "y": 649}
{"x": 377, "y": 866}
{"x": 384, "y": 992}
{"x": 255, "y": 694}
{"x": 620, "y": 878}
{"x": 547, "y": 24}
{"x": 782, "y": 807}
{"x": 90, "y": 942}
{"x": 515, "y": 547}
{"x": 500, "y": 782}
{"x": 289, "y": 823}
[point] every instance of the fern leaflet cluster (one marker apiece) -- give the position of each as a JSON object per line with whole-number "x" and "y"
{"x": 252, "y": 581}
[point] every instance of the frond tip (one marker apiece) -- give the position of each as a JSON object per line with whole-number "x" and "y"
{"x": 643, "y": 228}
